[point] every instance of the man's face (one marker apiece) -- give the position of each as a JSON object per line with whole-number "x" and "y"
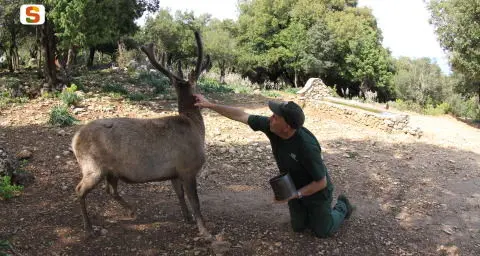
{"x": 278, "y": 124}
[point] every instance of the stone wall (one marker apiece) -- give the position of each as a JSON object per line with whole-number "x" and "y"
{"x": 316, "y": 94}
{"x": 386, "y": 121}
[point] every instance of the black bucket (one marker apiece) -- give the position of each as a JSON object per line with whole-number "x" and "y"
{"x": 283, "y": 186}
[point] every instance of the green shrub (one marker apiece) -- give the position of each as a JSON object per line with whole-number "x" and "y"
{"x": 79, "y": 84}
{"x": 115, "y": 88}
{"x": 59, "y": 116}
{"x": 407, "y": 106}
{"x": 209, "y": 85}
{"x": 472, "y": 108}
{"x": 461, "y": 107}
{"x": 441, "y": 109}
{"x": 69, "y": 97}
{"x": 7, "y": 190}
{"x": 137, "y": 96}
{"x": 154, "y": 79}
{"x": 12, "y": 82}
{"x": 6, "y": 98}
{"x": 4, "y": 245}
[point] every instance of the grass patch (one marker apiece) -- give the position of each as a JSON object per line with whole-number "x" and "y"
{"x": 270, "y": 94}
{"x": 137, "y": 96}
{"x": 59, "y": 116}
{"x": 115, "y": 88}
{"x": 292, "y": 90}
{"x": 7, "y": 190}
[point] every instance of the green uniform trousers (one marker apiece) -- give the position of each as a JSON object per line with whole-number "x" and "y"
{"x": 317, "y": 215}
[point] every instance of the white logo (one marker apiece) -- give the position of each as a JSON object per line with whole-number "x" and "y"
{"x": 293, "y": 156}
{"x": 32, "y": 14}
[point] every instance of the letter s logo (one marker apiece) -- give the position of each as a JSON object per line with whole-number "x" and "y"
{"x": 32, "y": 11}
{"x": 32, "y": 14}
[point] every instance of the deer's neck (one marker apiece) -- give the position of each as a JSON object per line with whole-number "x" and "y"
{"x": 186, "y": 107}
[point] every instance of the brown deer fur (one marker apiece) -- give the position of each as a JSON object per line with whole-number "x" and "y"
{"x": 143, "y": 150}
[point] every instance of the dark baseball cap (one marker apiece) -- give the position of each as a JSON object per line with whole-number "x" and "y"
{"x": 290, "y": 111}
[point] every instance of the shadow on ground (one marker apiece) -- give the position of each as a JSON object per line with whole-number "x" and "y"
{"x": 412, "y": 199}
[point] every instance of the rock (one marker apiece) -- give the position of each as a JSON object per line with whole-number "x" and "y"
{"x": 315, "y": 89}
{"x": 61, "y": 133}
{"x": 103, "y": 232}
{"x": 78, "y": 110}
{"x": 22, "y": 178}
{"x": 447, "y": 229}
{"x": 7, "y": 164}
{"x": 220, "y": 247}
{"x": 24, "y": 154}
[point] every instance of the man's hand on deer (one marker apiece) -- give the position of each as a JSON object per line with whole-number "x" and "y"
{"x": 201, "y": 101}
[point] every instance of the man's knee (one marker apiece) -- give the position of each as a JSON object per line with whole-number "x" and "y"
{"x": 321, "y": 234}
{"x": 298, "y": 228}
{"x": 323, "y": 230}
{"x": 298, "y": 225}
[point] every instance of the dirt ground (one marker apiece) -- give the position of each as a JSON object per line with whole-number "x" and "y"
{"x": 413, "y": 196}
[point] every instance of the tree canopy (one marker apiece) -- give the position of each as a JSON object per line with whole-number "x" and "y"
{"x": 457, "y": 25}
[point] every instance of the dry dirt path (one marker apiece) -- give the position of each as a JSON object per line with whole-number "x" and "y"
{"x": 414, "y": 196}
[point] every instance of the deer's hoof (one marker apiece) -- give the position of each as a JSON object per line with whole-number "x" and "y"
{"x": 206, "y": 235}
{"x": 132, "y": 214}
{"x": 90, "y": 233}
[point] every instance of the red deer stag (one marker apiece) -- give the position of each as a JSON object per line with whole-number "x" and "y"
{"x": 144, "y": 150}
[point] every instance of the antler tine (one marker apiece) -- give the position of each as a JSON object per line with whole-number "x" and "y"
{"x": 199, "y": 66}
{"x": 148, "y": 50}
{"x": 206, "y": 64}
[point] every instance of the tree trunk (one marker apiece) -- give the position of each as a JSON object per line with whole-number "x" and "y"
{"x": 478, "y": 93}
{"x": 90, "y": 57}
{"x": 10, "y": 61}
{"x": 121, "y": 58}
{"x": 222, "y": 73}
{"x": 295, "y": 79}
{"x": 71, "y": 57}
{"x": 48, "y": 42}
{"x": 13, "y": 62}
{"x": 39, "y": 51}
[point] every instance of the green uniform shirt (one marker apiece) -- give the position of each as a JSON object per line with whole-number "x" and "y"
{"x": 300, "y": 155}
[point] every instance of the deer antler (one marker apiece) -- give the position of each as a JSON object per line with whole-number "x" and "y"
{"x": 199, "y": 66}
{"x": 194, "y": 75}
{"x": 148, "y": 50}
{"x": 207, "y": 63}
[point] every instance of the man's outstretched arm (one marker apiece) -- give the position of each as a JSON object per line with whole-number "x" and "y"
{"x": 233, "y": 113}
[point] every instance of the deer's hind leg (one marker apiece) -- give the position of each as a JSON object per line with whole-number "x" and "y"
{"x": 178, "y": 187}
{"x": 111, "y": 187}
{"x": 190, "y": 185}
{"x": 89, "y": 180}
